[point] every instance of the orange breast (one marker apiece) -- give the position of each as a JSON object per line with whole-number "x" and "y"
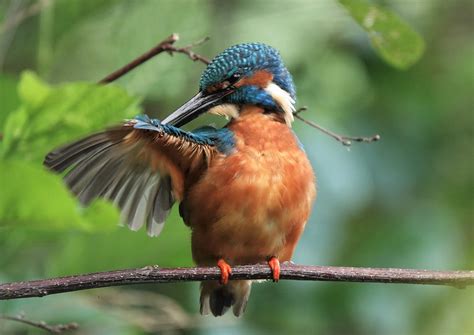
{"x": 254, "y": 203}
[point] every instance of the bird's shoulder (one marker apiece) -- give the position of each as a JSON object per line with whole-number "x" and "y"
{"x": 222, "y": 138}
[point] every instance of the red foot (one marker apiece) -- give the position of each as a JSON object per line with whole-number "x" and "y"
{"x": 226, "y": 271}
{"x": 274, "y": 264}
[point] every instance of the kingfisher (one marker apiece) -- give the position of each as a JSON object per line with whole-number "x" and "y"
{"x": 245, "y": 190}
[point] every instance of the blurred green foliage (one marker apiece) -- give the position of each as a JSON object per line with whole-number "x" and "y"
{"x": 32, "y": 209}
{"x": 392, "y": 38}
{"x": 47, "y": 117}
{"x": 50, "y": 116}
{"x": 403, "y": 202}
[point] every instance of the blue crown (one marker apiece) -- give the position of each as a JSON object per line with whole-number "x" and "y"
{"x": 245, "y": 59}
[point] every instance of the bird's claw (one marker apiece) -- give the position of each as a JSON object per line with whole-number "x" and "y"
{"x": 274, "y": 264}
{"x": 226, "y": 271}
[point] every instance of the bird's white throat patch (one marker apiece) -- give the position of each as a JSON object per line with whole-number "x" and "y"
{"x": 230, "y": 111}
{"x": 284, "y": 99}
{"x": 281, "y": 97}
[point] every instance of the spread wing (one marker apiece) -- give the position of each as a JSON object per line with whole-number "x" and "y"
{"x": 141, "y": 166}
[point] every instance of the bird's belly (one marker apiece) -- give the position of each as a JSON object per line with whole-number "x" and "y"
{"x": 250, "y": 206}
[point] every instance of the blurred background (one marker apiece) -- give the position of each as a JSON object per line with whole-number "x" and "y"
{"x": 405, "y": 201}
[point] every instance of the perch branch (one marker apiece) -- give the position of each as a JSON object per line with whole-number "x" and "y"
{"x": 165, "y": 45}
{"x": 345, "y": 140}
{"x": 53, "y": 329}
{"x": 153, "y": 274}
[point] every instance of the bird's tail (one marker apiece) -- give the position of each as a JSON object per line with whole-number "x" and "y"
{"x": 217, "y": 298}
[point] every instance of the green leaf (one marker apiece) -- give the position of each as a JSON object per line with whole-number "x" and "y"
{"x": 393, "y": 39}
{"x": 33, "y": 198}
{"x": 52, "y": 116}
{"x": 32, "y": 90}
{"x": 46, "y": 118}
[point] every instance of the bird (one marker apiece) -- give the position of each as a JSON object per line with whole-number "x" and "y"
{"x": 246, "y": 190}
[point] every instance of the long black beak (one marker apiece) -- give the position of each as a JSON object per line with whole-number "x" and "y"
{"x": 197, "y": 105}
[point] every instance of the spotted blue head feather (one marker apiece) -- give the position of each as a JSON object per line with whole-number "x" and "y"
{"x": 245, "y": 59}
{"x": 244, "y": 74}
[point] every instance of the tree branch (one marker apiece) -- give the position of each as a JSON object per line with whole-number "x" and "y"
{"x": 154, "y": 274}
{"x": 165, "y": 45}
{"x": 53, "y": 329}
{"x": 345, "y": 140}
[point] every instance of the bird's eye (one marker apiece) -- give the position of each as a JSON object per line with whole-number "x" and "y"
{"x": 227, "y": 84}
{"x": 234, "y": 78}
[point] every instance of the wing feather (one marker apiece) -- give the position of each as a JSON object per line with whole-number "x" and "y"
{"x": 138, "y": 166}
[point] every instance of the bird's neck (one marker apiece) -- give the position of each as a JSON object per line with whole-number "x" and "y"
{"x": 259, "y": 129}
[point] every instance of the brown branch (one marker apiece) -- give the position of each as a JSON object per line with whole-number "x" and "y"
{"x": 165, "y": 45}
{"x": 191, "y": 54}
{"x": 53, "y": 329}
{"x": 345, "y": 140}
{"x": 153, "y": 274}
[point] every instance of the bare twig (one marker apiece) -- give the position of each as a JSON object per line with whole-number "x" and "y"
{"x": 153, "y": 274}
{"x": 191, "y": 54}
{"x": 165, "y": 45}
{"x": 152, "y": 312}
{"x": 53, "y": 329}
{"x": 345, "y": 140}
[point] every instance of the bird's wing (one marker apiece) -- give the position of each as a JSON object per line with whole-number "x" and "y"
{"x": 141, "y": 166}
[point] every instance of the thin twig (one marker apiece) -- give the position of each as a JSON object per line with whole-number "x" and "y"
{"x": 345, "y": 140}
{"x": 153, "y": 274}
{"x": 191, "y": 54}
{"x": 53, "y": 329}
{"x": 151, "y": 312}
{"x": 165, "y": 45}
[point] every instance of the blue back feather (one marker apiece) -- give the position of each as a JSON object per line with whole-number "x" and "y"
{"x": 222, "y": 139}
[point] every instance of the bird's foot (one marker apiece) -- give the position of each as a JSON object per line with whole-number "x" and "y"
{"x": 274, "y": 264}
{"x": 226, "y": 271}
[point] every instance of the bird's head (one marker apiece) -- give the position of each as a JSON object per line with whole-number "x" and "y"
{"x": 244, "y": 74}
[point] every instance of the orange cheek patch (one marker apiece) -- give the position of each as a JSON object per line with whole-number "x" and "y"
{"x": 260, "y": 78}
